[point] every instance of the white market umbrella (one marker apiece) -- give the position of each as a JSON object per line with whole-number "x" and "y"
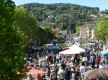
{"x": 76, "y": 48}
{"x": 69, "y": 52}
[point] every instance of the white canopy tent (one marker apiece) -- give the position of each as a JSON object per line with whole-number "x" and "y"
{"x": 74, "y": 49}
{"x": 68, "y": 52}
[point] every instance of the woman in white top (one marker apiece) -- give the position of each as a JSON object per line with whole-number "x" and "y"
{"x": 61, "y": 74}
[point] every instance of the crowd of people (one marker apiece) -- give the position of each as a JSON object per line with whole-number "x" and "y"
{"x": 70, "y": 67}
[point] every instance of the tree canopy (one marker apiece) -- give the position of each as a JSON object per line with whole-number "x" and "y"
{"x": 28, "y": 24}
{"x": 11, "y": 44}
{"x": 101, "y": 30}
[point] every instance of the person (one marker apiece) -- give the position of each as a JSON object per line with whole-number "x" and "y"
{"x": 78, "y": 59}
{"x": 75, "y": 59}
{"x": 31, "y": 77}
{"x": 57, "y": 58}
{"x": 46, "y": 57}
{"x": 52, "y": 76}
{"x": 56, "y": 68}
{"x": 67, "y": 74}
{"x": 63, "y": 64}
{"x": 60, "y": 58}
{"x": 82, "y": 68}
{"x": 84, "y": 59}
{"x": 72, "y": 59}
{"x": 77, "y": 74}
{"x": 54, "y": 57}
{"x": 97, "y": 60}
{"x": 71, "y": 71}
{"x": 40, "y": 62}
{"x": 88, "y": 67}
{"x": 106, "y": 62}
{"x": 61, "y": 74}
{"x": 102, "y": 63}
{"x": 48, "y": 73}
{"x": 92, "y": 60}
{"x": 45, "y": 65}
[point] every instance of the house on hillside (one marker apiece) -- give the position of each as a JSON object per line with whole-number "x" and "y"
{"x": 57, "y": 31}
{"x": 63, "y": 31}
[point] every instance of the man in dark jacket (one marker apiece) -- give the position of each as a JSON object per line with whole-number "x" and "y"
{"x": 63, "y": 64}
{"x": 68, "y": 74}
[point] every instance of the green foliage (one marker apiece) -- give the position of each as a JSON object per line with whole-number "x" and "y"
{"x": 78, "y": 29}
{"x": 29, "y": 25}
{"x": 104, "y": 12}
{"x": 44, "y": 35}
{"x": 102, "y": 30}
{"x": 59, "y": 38}
{"x": 103, "y": 17}
{"x": 11, "y": 44}
{"x": 61, "y": 15}
{"x": 50, "y": 34}
{"x": 26, "y": 22}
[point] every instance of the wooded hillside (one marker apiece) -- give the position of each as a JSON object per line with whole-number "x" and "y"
{"x": 64, "y": 16}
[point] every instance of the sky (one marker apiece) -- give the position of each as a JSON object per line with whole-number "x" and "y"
{"x": 102, "y": 4}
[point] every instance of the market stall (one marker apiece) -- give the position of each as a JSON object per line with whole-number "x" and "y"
{"x": 35, "y": 73}
{"x": 74, "y": 49}
{"x": 104, "y": 53}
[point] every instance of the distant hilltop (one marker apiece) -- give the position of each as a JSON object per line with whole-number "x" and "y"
{"x": 61, "y": 15}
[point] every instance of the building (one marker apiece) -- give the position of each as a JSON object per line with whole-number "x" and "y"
{"x": 86, "y": 32}
{"x": 56, "y": 31}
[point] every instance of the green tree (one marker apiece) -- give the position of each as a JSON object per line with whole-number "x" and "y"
{"x": 11, "y": 44}
{"x": 42, "y": 38}
{"x": 27, "y": 23}
{"x": 45, "y": 35}
{"x": 78, "y": 29}
{"x": 50, "y": 34}
{"x": 101, "y": 30}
